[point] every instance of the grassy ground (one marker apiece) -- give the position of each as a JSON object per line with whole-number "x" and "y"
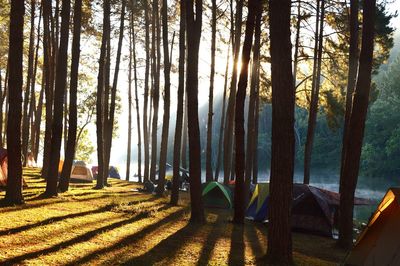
{"x": 118, "y": 225}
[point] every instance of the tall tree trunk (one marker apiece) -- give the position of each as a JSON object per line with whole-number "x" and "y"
{"x": 209, "y": 172}
{"x": 179, "y": 111}
{"x": 256, "y": 121}
{"x": 156, "y": 88}
{"x": 184, "y": 135}
{"x": 38, "y": 120}
{"x": 5, "y": 98}
{"x": 32, "y": 103}
{"x": 221, "y": 127}
{"x": 73, "y": 116}
{"x": 65, "y": 118}
{"x": 167, "y": 85}
{"x": 193, "y": 24}
{"x": 15, "y": 57}
{"x": 252, "y": 102}
{"x": 100, "y": 102}
{"x": 283, "y": 142}
{"x": 137, "y": 106}
{"x": 109, "y": 125}
{"x": 25, "y": 117}
{"x": 60, "y": 86}
{"x": 297, "y": 43}
{"x": 4, "y": 101}
{"x": 353, "y": 145}
{"x": 229, "y": 124}
{"x": 1, "y": 109}
{"x": 50, "y": 53}
{"x": 239, "y": 199}
{"x": 146, "y": 94}
{"x": 352, "y": 72}
{"x": 312, "y": 117}
{"x": 128, "y": 148}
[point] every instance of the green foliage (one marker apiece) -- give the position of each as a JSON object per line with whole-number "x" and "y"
{"x": 84, "y": 147}
{"x": 381, "y": 153}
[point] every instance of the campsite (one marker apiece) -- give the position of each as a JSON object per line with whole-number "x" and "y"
{"x": 200, "y": 132}
{"x": 120, "y": 226}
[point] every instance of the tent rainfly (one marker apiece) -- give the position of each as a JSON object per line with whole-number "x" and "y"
{"x": 379, "y": 243}
{"x": 313, "y": 209}
{"x": 217, "y": 195}
{"x": 81, "y": 172}
{"x": 4, "y": 169}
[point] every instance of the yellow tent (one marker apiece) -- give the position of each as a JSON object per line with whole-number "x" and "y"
{"x": 379, "y": 243}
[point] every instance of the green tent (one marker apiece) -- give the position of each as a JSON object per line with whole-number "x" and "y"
{"x": 217, "y": 195}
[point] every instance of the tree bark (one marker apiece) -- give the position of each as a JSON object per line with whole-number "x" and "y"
{"x": 49, "y": 59}
{"x": 31, "y": 54}
{"x": 32, "y": 102}
{"x": 193, "y": 24}
{"x": 256, "y": 118}
{"x": 312, "y": 116}
{"x": 297, "y": 42}
{"x": 131, "y": 51}
{"x": 4, "y": 137}
{"x": 167, "y": 85}
{"x": 283, "y": 142}
{"x": 73, "y": 116}
{"x": 229, "y": 125}
{"x": 156, "y": 88}
{"x": 252, "y": 102}
{"x": 352, "y": 72}
{"x": 209, "y": 172}
{"x": 240, "y": 199}
{"x": 221, "y": 128}
{"x": 179, "y": 111}
{"x": 38, "y": 120}
{"x": 100, "y": 119}
{"x": 356, "y": 126}
{"x": 60, "y": 86}
{"x": 15, "y": 57}
{"x": 109, "y": 125}
{"x": 146, "y": 94}
{"x": 184, "y": 135}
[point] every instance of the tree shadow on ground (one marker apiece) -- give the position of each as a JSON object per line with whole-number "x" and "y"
{"x": 54, "y": 220}
{"x": 236, "y": 253}
{"x": 172, "y": 244}
{"x": 258, "y": 249}
{"x": 209, "y": 244}
{"x": 326, "y": 249}
{"x": 82, "y": 238}
{"x": 38, "y": 202}
{"x": 130, "y": 239}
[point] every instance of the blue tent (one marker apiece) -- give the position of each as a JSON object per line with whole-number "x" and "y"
{"x": 113, "y": 172}
{"x": 258, "y": 206}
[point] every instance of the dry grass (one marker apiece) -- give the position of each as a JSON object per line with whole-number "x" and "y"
{"x": 118, "y": 225}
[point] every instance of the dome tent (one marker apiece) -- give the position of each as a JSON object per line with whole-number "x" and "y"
{"x": 216, "y": 195}
{"x": 378, "y": 244}
{"x": 81, "y": 172}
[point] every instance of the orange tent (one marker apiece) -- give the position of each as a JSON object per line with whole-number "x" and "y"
{"x": 30, "y": 160}
{"x": 4, "y": 168}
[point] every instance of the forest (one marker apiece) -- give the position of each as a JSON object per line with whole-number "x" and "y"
{"x": 208, "y": 132}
